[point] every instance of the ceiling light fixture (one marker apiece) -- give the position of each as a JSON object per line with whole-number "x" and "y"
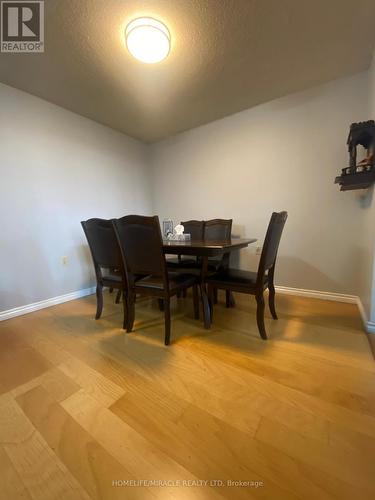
{"x": 148, "y": 40}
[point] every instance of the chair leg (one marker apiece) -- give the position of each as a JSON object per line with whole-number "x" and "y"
{"x": 196, "y": 301}
{"x": 161, "y": 304}
{"x": 215, "y": 299}
{"x": 110, "y": 289}
{"x": 207, "y": 308}
{"x": 167, "y": 319}
{"x": 184, "y": 293}
{"x": 118, "y": 296}
{"x": 130, "y": 311}
{"x": 229, "y": 299}
{"x": 125, "y": 303}
{"x": 271, "y": 300}
{"x": 260, "y": 316}
{"x": 99, "y": 301}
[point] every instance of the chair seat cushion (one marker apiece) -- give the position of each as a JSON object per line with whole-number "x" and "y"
{"x": 236, "y": 278}
{"x": 177, "y": 281}
{"x": 116, "y": 278}
{"x": 186, "y": 262}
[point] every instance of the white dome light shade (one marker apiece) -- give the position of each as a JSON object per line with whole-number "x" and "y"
{"x": 148, "y": 40}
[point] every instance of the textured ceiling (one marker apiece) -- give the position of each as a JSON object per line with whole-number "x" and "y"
{"x": 227, "y": 55}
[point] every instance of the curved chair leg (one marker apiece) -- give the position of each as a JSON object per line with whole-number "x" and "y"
{"x": 99, "y": 301}
{"x": 130, "y": 312}
{"x": 260, "y": 316}
{"x": 196, "y": 301}
{"x": 167, "y": 319}
{"x": 271, "y": 301}
{"x": 118, "y": 296}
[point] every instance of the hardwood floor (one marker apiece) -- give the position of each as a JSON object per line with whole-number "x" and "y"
{"x": 85, "y": 407}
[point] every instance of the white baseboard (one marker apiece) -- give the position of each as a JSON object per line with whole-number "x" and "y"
{"x": 315, "y": 294}
{"x": 338, "y": 297}
{"x": 19, "y": 311}
{"x": 369, "y": 325}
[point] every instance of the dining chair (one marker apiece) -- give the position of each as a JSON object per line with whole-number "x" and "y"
{"x": 141, "y": 245}
{"x": 255, "y": 283}
{"x": 219, "y": 229}
{"x": 106, "y": 257}
{"x": 196, "y": 229}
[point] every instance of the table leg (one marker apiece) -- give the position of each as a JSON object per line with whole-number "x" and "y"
{"x": 229, "y": 299}
{"x": 205, "y": 301}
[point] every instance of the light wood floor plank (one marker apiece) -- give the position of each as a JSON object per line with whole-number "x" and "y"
{"x": 43, "y": 474}
{"x": 99, "y": 387}
{"x": 93, "y": 467}
{"x": 54, "y": 381}
{"x": 12, "y": 486}
{"x": 355, "y": 469}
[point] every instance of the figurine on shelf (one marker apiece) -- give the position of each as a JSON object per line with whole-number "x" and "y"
{"x": 367, "y": 162}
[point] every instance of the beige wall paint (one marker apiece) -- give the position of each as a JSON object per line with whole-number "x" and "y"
{"x": 58, "y": 168}
{"x": 280, "y": 155}
{"x": 367, "y": 292}
{"x": 372, "y": 216}
{"x": 366, "y": 267}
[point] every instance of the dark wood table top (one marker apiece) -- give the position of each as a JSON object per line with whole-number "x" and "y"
{"x": 205, "y": 248}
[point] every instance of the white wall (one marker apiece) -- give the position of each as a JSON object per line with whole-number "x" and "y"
{"x": 57, "y": 169}
{"x": 280, "y": 155}
{"x": 367, "y": 291}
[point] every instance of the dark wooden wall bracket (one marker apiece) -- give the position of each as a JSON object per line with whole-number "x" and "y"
{"x": 359, "y": 175}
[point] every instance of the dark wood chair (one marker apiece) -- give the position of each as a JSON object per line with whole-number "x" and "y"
{"x": 219, "y": 229}
{"x": 106, "y": 256}
{"x": 196, "y": 229}
{"x": 255, "y": 283}
{"x": 141, "y": 245}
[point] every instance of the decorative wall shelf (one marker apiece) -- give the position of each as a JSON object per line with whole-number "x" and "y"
{"x": 360, "y": 180}
{"x": 361, "y": 175}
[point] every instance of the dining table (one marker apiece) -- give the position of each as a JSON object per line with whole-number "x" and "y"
{"x": 204, "y": 249}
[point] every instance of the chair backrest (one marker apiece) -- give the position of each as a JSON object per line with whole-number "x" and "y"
{"x": 195, "y": 228}
{"x": 103, "y": 243}
{"x": 271, "y": 243}
{"x": 217, "y": 229}
{"x": 141, "y": 245}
